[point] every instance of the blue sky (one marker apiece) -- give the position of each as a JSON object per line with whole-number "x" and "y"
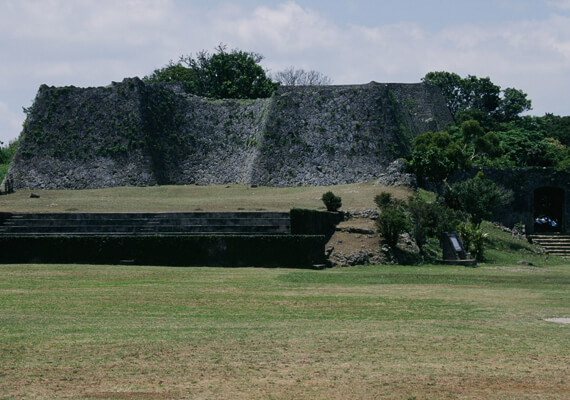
{"x": 517, "y": 43}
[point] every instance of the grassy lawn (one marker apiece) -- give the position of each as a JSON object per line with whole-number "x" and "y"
{"x": 194, "y": 198}
{"x": 385, "y": 332}
{"x": 394, "y": 332}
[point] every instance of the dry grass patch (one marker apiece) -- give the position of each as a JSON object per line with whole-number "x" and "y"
{"x": 193, "y": 198}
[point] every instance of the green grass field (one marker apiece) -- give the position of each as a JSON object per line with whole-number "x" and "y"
{"x": 127, "y": 332}
{"x": 378, "y": 332}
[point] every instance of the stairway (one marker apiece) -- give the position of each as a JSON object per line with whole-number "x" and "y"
{"x": 229, "y": 239}
{"x": 557, "y": 244}
{"x": 134, "y": 224}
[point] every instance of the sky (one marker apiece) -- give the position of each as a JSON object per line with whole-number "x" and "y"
{"x": 524, "y": 44}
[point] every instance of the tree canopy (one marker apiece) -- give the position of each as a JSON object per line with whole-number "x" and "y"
{"x": 223, "y": 75}
{"x": 478, "y": 197}
{"x": 436, "y": 156}
{"x": 479, "y": 95}
{"x": 489, "y": 131}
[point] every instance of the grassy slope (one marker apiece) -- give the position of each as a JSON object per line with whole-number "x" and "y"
{"x": 192, "y": 198}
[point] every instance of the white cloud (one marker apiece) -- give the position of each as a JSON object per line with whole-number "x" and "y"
{"x": 92, "y": 42}
{"x": 533, "y": 56}
{"x": 288, "y": 28}
{"x": 560, "y": 4}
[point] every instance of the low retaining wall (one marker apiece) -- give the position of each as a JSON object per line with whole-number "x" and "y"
{"x": 298, "y": 251}
{"x": 258, "y": 239}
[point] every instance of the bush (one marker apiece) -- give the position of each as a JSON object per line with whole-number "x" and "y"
{"x": 430, "y": 220}
{"x": 473, "y": 239}
{"x": 332, "y": 202}
{"x": 383, "y": 199}
{"x": 391, "y": 223}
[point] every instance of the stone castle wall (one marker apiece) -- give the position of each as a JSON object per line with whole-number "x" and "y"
{"x": 137, "y": 134}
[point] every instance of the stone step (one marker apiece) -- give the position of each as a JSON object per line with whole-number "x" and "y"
{"x": 182, "y": 229}
{"x": 146, "y": 216}
{"x": 144, "y": 222}
{"x": 245, "y": 223}
{"x": 557, "y": 244}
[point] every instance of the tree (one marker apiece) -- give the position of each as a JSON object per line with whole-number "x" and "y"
{"x": 392, "y": 221}
{"x": 450, "y": 85}
{"x": 479, "y": 197}
{"x": 436, "y": 156}
{"x": 513, "y": 103}
{"x": 557, "y": 127}
{"x": 222, "y": 75}
{"x": 299, "y": 77}
{"x": 480, "y": 94}
{"x": 482, "y": 143}
{"x": 172, "y": 73}
{"x": 473, "y": 93}
{"x": 471, "y": 130}
{"x": 6, "y": 154}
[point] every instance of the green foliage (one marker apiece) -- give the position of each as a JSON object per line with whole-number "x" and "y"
{"x": 426, "y": 221}
{"x": 489, "y": 144}
{"x": 480, "y": 94}
{"x": 479, "y": 143}
{"x": 473, "y": 238}
{"x": 479, "y": 197}
{"x": 174, "y": 73}
{"x": 222, "y": 75}
{"x": 382, "y": 200}
{"x": 490, "y": 131}
{"x": 522, "y": 148}
{"x": 513, "y": 103}
{"x": 471, "y": 130}
{"x": 6, "y": 155}
{"x": 430, "y": 220}
{"x": 391, "y": 223}
{"x": 332, "y": 202}
{"x": 436, "y": 156}
{"x": 450, "y": 85}
{"x": 557, "y": 127}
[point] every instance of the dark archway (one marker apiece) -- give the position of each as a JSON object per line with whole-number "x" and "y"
{"x": 548, "y": 209}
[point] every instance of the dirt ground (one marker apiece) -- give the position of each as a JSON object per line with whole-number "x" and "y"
{"x": 356, "y": 242}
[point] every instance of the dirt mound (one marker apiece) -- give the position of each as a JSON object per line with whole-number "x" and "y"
{"x": 356, "y": 242}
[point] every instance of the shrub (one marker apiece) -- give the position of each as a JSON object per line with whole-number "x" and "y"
{"x": 332, "y": 202}
{"x": 383, "y": 199}
{"x": 391, "y": 223}
{"x": 473, "y": 239}
{"x": 430, "y": 220}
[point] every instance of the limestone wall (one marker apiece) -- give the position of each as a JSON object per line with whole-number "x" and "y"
{"x": 136, "y": 134}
